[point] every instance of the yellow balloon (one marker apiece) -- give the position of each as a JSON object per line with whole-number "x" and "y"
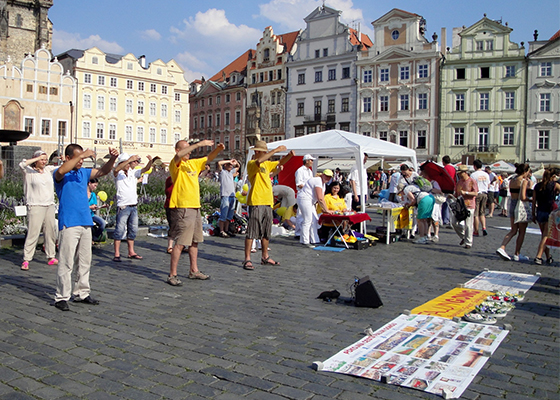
{"x": 102, "y": 196}
{"x": 281, "y": 211}
{"x": 245, "y": 187}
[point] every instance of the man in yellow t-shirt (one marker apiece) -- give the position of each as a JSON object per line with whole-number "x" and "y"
{"x": 185, "y": 225}
{"x": 260, "y": 200}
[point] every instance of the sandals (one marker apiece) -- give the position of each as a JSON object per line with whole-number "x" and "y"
{"x": 117, "y": 259}
{"x": 268, "y": 261}
{"x": 25, "y": 265}
{"x": 135, "y": 257}
{"x": 248, "y": 265}
{"x": 223, "y": 234}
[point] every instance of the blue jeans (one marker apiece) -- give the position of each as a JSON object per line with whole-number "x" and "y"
{"x": 445, "y": 213}
{"x": 98, "y": 226}
{"x": 227, "y": 206}
{"x": 127, "y": 223}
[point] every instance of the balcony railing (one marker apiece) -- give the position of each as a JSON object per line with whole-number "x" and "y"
{"x": 479, "y": 148}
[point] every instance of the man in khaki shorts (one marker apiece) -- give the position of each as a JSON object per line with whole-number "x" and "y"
{"x": 185, "y": 225}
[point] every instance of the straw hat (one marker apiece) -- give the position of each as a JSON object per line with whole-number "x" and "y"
{"x": 260, "y": 145}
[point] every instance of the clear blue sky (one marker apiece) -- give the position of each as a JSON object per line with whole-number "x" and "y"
{"x": 204, "y": 36}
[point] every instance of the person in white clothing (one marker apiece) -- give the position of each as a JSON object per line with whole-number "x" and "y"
{"x": 359, "y": 194}
{"x": 303, "y": 174}
{"x": 126, "y": 179}
{"x": 312, "y": 193}
{"x": 493, "y": 189}
{"x": 483, "y": 181}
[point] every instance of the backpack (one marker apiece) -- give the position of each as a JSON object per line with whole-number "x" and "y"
{"x": 459, "y": 209}
{"x": 424, "y": 184}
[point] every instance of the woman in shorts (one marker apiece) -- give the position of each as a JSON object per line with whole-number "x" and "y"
{"x": 544, "y": 194}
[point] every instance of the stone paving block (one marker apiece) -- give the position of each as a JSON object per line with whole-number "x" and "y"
{"x": 101, "y": 395}
{"x": 49, "y": 393}
{"x": 260, "y": 395}
{"x": 168, "y": 392}
{"x": 201, "y": 390}
{"x": 258, "y": 383}
{"x": 8, "y": 374}
{"x": 137, "y": 394}
{"x": 225, "y": 374}
{"x": 26, "y": 384}
{"x": 16, "y": 396}
{"x": 292, "y": 393}
{"x": 326, "y": 391}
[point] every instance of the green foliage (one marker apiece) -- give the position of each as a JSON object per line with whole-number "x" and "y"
{"x": 12, "y": 186}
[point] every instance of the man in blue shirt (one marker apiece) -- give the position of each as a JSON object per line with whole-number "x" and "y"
{"x": 74, "y": 224}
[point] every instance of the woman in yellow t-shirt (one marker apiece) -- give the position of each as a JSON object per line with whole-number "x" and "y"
{"x": 335, "y": 202}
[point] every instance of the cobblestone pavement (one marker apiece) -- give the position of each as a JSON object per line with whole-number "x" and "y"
{"x": 254, "y": 334}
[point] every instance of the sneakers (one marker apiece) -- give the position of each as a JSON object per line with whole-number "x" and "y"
{"x": 434, "y": 239}
{"x": 484, "y": 232}
{"x": 62, "y": 305}
{"x": 174, "y": 280}
{"x": 538, "y": 261}
{"x": 198, "y": 275}
{"x": 475, "y": 234}
{"x": 520, "y": 258}
{"x": 422, "y": 240}
{"x": 549, "y": 261}
{"x": 502, "y": 253}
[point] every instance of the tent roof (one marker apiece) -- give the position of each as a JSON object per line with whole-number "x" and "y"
{"x": 341, "y": 144}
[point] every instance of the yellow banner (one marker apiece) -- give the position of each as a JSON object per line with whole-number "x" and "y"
{"x": 455, "y": 303}
{"x": 402, "y": 217}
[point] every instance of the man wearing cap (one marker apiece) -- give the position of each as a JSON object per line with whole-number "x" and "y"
{"x": 260, "y": 200}
{"x": 468, "y": 188}
{"x": 359, "y": 194}
{"x": 303, "y": 174}
{"x": 313, "y": 192}
{"x": 126, "y": 180}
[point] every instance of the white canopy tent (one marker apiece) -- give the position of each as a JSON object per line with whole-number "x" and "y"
{"x": 346, "y": 145}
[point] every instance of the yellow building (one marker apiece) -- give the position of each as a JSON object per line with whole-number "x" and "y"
{"x": 36, "y": 97}
{"x": 123, "y": 103}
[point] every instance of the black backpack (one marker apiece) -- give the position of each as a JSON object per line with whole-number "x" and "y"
{"x": 459, "y": 209}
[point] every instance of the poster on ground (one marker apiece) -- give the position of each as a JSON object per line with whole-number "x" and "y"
{"x": 423, "y": 352}
{"x": 455, "y": 303}
{"x": 500, "y": 281}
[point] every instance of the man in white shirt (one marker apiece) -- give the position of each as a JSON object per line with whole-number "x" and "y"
{"x": 303, "y": 174}
{"x": 313, "y": 192}
{"x": 359, "y": 194}
{"x": 493, "y": 189}
{"x": 483, "y": 181}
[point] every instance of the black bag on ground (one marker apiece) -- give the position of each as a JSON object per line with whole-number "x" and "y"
{"x": 459, "y": 209}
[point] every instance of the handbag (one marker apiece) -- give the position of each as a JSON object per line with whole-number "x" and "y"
{"x": 440, "y": 198}
{"x": 521, "y": 212}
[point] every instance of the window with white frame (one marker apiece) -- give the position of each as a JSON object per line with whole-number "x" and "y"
{"x": 510, "y": 71}
{"x": 544, "y": 102}
{"x": 508, "y": 136}
{"x": 345, "y": 106}
{"x": 86, "y": 129}
{"x": 62, "y": 128}
{"x": 332, "y": 74}
{"x": 423, "y": 71}
{"x": 153, "y": 109}
{"x": 152, "y": 135}
{"x": 140, "y": 134}
{"x": 421, "y": 139}
{"x": 366, "y": 105}
{"x": 163, "y": 89}
{"x": 29, "y": 125}
{"x": 405, "y": 73}
{"x": 202, "y": 122}
{"x": 218, "y": 120}
{"x": 113, "y": 104}
{"x": 141, "y": 86}
{"x": 543, "y": 142}
{"x": 460, "y": 102}
{"x": 383, "y": 103}
{"x": 153, "y": 88}
{"x": 383, "y": 135}
{"x": 300, "y": 109}
{"x": 404, "y": 101}
{"x": 226, "y": 142}
{"x": 195, "y": 123}
{"x": 275, "y": 121}
{"x": 101, "y": 80}
{"x": 403, "y": 138}
{"x": 384, "y": 75}
{"x": 238, "y": 117}
{"x": 129, "y": 106}
{"x": 87, "y": 78}
{"x": 489, "y": 44}
{"x": 237, "y": 142}
{"x": 177, "y": 96}
{"x": 113, "y": 82}
{"x": 479, "y": 45}
{"x": 459, "y": 136}
{"x": 177, "y": 116}
{"x": 45, "y": 127}
{"x": 510, "y": 101}
{"x": 546, "y": 68}
{"x": 209, "y": 121}
{"x": 227, "y": 121}
{"x": 112, "y": 131}
{"x": 87, "y": 101}
{"x": 422, "y": 101}
{"x": 176, "y": 136}
{"x": 301, "y": 79}
{"x": 128, "y": 133}
{"x": 318, "y": 76}
{"x": 100, "y": 131}
{"x": 163, "y": 136}
{"x": 164, "y": 111}
{"x": 228, "y": 98}
{"x": 484, "y": 101}
{"x": 368, "y": 75}
{"x": 140, "y": 107}
{"x": 368, "y": 133}
{"x": 129, "y": 84}
{"x": 331, "y": 106}
{"x": 345, "y": 72}
{"x": 101, "y": 103}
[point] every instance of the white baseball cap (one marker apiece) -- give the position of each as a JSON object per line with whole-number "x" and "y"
{"x": 308, "y": 157}
{"x": 122, "y": 158}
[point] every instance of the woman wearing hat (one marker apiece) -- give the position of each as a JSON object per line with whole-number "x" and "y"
{"x": 38, "y": 187}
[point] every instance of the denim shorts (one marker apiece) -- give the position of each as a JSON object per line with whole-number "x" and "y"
{"x": 227, "y": 207}
{"x": 127, "y": 223}
{"x": 542, "y": 216}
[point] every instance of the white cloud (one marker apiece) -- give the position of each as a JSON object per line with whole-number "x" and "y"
{"x": 150, "y": 34}
{"x": 63, "y": 41}
{"x": 191, "y": 65}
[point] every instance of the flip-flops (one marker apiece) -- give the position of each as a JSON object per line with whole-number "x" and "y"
{"x": 248, "y": 265}
{"x": 135, "y": 257}
{"x": 268, "y": 261}
{"x": 117, "y": 259}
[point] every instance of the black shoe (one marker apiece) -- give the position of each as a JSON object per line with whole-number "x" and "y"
{"x": 484, "y": 233}
{"x": 296, "y": 237}
{"x": 62, "y": 305}
{"x": 87, "y": 300}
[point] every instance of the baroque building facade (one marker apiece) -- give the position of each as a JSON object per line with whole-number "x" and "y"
{"x": 322, "y": 75}
{"x": 123, "y": 103}
{"x": 36, "y": 96}
{"x": 266, "y": 85}
{"x": 543, "y": 100}
{"x": 483, "y": 95}
{"x": 398, "y": 84}
{"x": 24, "y": 28}
{"x": 219, "y": 110}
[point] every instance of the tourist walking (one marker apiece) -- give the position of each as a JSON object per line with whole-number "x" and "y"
{"x": 38, "y": 187}
{"x": 446, "y": 161}
{"x": 518, "y": 190}
{"x": 483, "y": 181}
{"x": 544, "y": 196}
{"x": 468, "y": 189}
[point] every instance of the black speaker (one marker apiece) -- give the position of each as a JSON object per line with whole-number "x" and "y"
{"x": 365, "y": 294}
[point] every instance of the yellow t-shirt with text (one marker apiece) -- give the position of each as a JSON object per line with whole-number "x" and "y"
{"x": 260, "y": 193}
{"x": 186, "y": 190}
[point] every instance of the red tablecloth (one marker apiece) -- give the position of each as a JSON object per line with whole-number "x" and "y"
{"x": 353, "y": 218}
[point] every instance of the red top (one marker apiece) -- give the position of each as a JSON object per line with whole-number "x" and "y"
{"x": 353, "y": 218}
{"x": 168, "y": 190}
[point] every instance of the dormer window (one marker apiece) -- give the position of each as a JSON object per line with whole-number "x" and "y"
{"x": 94, "y": 60}
{"x": 266, "y": 55}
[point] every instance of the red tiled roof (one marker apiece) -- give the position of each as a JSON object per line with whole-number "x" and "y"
{"x": 289, "y": 39}
{"x": 365, "y": 40}
{"x": 238, "y": 65}
{"x": 555, "y": 36}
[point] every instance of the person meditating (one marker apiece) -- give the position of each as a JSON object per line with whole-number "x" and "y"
{"x": 334, "y": 200}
